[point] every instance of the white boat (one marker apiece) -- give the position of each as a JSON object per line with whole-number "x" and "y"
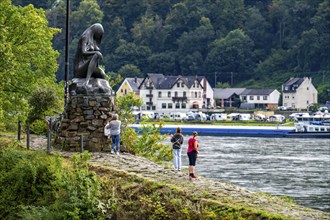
{"x": 316, "y": 129}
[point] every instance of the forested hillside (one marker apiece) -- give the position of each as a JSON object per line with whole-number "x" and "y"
{"x": 251, "y": 43}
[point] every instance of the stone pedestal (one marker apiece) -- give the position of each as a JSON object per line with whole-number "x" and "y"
{"x": 86, "y": 112}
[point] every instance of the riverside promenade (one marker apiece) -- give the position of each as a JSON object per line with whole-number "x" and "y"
{"x": 210, "y": 189}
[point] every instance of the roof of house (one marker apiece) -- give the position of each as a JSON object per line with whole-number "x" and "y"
{"x": 257, "y": 91}
{"x": 134, "y": 83}
{"x": 227, "y": 92}
{"x": 292, "y": 84}
{"x": 294, "y": 81}
{"x": 166, "y": 82}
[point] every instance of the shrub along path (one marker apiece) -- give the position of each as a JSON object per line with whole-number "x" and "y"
{"x": 209, "y": 189}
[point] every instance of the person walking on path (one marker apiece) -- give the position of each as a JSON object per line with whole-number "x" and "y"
{"x": 192, "y": 152}
{"x": 114, "y": 126}
{"x": 177, "y": 141}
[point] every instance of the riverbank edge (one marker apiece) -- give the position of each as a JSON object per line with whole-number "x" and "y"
{"x": 139, "y": 171}
{"x": 132, "y": 173}
{"x": 235, "y": 202}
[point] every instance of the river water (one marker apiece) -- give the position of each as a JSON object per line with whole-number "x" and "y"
{"x": 298, "y": 168}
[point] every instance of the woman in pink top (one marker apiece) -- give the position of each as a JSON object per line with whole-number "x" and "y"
{"x": 192, "y": 154}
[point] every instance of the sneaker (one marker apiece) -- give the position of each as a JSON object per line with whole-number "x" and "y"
{"x": 112, "y": 152}
{"x": 117, "y": 152}
{"x": 193, "y": 176}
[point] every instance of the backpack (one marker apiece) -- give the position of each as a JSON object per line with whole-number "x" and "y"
{"x": 177, "y": 140}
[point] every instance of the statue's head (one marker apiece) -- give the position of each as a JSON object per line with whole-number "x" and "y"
{"x": 98, "y": 31}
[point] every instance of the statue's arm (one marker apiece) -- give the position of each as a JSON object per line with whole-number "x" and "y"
{"x": 89, "y": 49}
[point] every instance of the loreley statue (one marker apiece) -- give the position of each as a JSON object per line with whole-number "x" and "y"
{"x": 86, "y": 64}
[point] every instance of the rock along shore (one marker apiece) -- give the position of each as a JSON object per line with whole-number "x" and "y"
{"x": 217, "y": 190}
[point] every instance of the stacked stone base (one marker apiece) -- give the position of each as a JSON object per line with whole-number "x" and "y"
{"x": 85, "y": 116}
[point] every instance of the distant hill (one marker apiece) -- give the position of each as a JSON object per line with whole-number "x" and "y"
{"x": 254, "y": 43}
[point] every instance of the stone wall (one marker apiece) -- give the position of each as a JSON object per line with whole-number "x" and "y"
{"x": 86, "y": 115}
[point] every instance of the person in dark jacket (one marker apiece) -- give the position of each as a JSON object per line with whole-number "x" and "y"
{"x": 177, "y": 141}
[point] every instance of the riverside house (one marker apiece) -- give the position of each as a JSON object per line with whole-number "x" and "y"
{"x": 130, "y": 85}
{"x": 299, "y": 93}
{"x": 167, "y": 94}
{"x": 260, "y": 99}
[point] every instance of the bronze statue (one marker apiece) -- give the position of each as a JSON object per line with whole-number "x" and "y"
{"x": 86, "y": 64}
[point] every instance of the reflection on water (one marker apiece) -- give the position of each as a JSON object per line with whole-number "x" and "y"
{"x": 298, "y": 168}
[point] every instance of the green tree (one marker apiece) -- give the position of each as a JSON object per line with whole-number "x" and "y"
{"x": 130, "y": 53}
{"x": 149, "y": 31}
{"x": 226, "y": 15}
{"x": 130, "y": 70}
{"x": 164, "y": 62}
{"x": 193, "y": 47}
{"x": 222, "y": 85}
{"x": 324, "y": 92}
{"x": 27, "y": 57}
{"x": 258, "y": 29}
{"x": 45, "y": 100}
{"x": 124, "y": 106}
{"x": 306, "y": 51}
{"x": 88, "y": 13}
{"x": 231, "y": 54}
{"x": 320, "y": 23}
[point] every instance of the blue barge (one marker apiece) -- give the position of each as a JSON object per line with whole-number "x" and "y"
{"x": 210, "y": 130}
{"x": 242, "y": 131}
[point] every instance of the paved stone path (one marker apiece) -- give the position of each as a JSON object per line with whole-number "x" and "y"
{"x": 207, "y": 188}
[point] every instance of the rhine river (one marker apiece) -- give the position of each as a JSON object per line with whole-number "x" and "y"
{"x": 297, "y": 168}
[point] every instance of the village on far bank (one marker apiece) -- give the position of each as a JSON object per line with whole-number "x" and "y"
{"x": 192, "y": 98}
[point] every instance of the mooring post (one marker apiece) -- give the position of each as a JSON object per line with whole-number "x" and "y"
{"x": 81, "y": 143}
{"x": 48, "y": 141}
{"x": 49, "y": 130}
{"x": 19, "y": 130}
{"x": 28, "y": 137}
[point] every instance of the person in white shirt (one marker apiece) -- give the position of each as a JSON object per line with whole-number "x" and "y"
{"x": 114, "y": 126}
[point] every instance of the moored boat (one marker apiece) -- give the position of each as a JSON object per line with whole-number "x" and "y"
{"x": 247, "y": 131}
{"x": 315, "y": 130}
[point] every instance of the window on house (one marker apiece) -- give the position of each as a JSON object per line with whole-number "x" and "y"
{"x": 307, "y": 88}
{"x": 251, "y": 97}
{"x": 195, "y": 94}
{"x": 169, "y": 94}
{"x": 183, "y": 105}
{"x": 197, "y": 85}
{"x": 163, "y": 105}
{"x": 148, "y": 107}
{"x": 177, "y": 105}
{"x": 258, "y": 97}
{"x": 125, "y": 92}
{"x": 184, "y": 94}
{"x": 178, "y": 85}
{"x": 176, "y": 94}
{"x": 169, "y": 105}
{"x": 265, "y": 97}
{"x": 292, "y": 97}
{"x": 121, "y": 91}
{"x": 244, "y": 98}
{"x": 159, "y": 94}
{"x": 181, "y": 84}
{"x": 153, "y": 107}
